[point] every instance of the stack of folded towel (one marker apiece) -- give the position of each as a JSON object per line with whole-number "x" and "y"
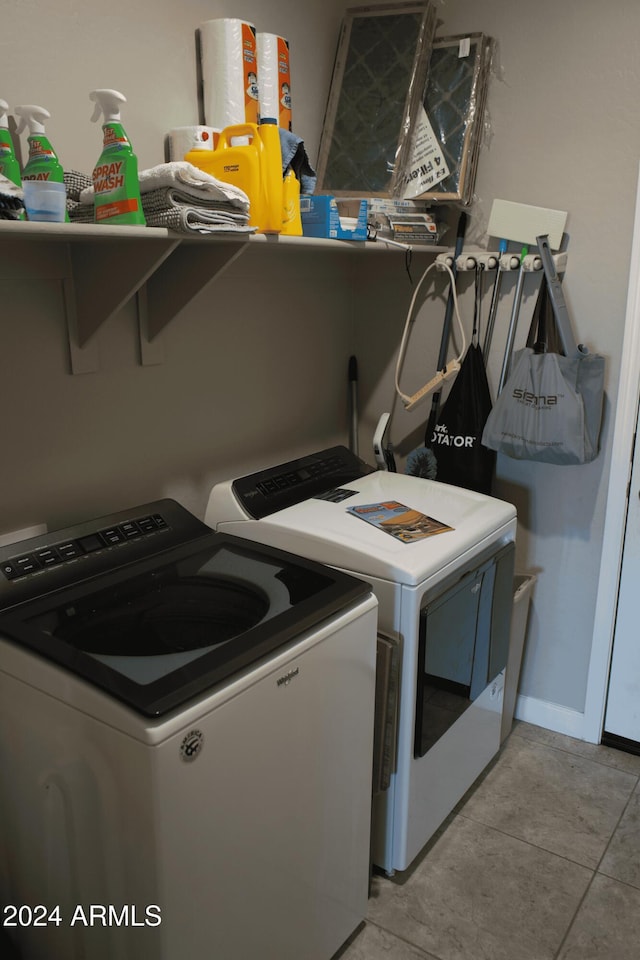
{"x": 11, "y": 203}
{"x": 76, "y": 182}
{"x": 182, "y": 197}
{"x": 175, "y": 195}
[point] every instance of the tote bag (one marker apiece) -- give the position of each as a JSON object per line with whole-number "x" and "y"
{"x": 456, "y": 441}
{"x": 550, "y": 408}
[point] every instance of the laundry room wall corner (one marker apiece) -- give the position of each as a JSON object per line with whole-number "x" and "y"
{"x": 557, "y": 67}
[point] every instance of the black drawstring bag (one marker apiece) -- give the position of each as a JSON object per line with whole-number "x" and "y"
{"x": 456, "y": 439}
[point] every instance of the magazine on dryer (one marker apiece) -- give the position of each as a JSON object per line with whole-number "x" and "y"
{"x": 398, "y": 520}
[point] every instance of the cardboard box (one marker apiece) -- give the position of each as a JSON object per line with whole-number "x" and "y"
{"x": 321, "y": 218}
{"x": 406, "y": 221}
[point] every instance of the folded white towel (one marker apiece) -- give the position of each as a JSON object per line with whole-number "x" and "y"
{"x": 11, "y": 204}
{"x": 194, "y": 220}
{"x": 173, "y": 208}
{"x": 166, "y": 197}
{"x": 8, "y": 188}
{"x": 191, "y": 180}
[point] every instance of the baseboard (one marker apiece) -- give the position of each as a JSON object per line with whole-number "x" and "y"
{"x": 621, "y": 743}
{"x": 551, "y": 716}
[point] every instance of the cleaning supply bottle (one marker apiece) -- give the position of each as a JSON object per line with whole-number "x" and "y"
{"x": 254, "y": 165}
{"x": 43, "y": 163}
{"x": 9, "y": 166}
{"x": 272, "y": 177}
{"x": 115, "y": 176}
{"x": 291, "y": 218}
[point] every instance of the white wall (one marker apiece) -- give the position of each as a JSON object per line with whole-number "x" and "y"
{"x": 562, "y": 134}
{"x": 55, "y": 54}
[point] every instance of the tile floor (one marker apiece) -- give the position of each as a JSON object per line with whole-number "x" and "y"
{"x": 540, "y": 861}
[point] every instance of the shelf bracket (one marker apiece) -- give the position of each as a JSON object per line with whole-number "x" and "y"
{"x": 107, "y": 274}
{"x": 83, "y": 357}
{"x": 44, "y": 259}
{"x": 181, "y": 276}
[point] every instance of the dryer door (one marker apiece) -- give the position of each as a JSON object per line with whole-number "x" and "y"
{"x": 463, "y": 644}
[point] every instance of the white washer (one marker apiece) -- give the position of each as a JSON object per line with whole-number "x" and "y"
{"x": 445, "y": 601}
{"x": 186, "y": 744}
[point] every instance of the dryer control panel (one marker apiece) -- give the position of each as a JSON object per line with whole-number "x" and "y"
{"x": 268, "y": 491}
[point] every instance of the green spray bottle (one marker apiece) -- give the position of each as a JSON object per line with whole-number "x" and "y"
{"x": 43, "y": 163}
{"x": 9, "y": 166}
{"x": 115, "y": 176}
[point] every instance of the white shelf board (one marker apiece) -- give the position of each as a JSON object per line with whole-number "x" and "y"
{"x": 69, "y": 232}
{"x": 103, "y": 267}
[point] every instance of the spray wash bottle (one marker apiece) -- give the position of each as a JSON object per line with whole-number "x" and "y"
{"x": 115, "y": 176}
{"x": 9, "y": 166}
{"x": 43, "y": 163}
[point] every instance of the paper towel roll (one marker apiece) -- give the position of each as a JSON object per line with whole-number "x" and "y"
{"x": 229, "y": 72}
{"x": 183, "y": 139}
{"x": 274, "y": 78}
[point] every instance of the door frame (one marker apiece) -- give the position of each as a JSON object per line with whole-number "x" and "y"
{"x": 626, "y": 417}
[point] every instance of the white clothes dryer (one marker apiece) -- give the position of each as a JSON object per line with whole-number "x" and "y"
{"x": 186, "y": 735}
{"x": 445, "y": 603}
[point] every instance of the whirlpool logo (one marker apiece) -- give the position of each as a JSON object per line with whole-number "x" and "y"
{"x": 286, "y": 679}
{"x": 191, "y": 745}
{"x": 536, "y": 400}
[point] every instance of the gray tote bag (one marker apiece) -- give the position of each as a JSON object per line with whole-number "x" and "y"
{"x": 550, "y": 408}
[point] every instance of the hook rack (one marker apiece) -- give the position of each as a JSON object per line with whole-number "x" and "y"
{"x": 490, "y": 260}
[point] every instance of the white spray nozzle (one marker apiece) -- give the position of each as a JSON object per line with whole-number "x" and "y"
{"x": 32, "y": 117}
{"x": 4, "y": 119}
{"x": 107, "y": 104}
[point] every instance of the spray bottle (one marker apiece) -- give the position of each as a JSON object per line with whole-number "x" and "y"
{"x": 43, "y": 163}
{"x": 9, "y": 166}
{"x": 115, "y": 176}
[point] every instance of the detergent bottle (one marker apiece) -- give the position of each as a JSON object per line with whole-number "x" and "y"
{"x": 9, "y": 166}
{"x": 115, "y": 176}
{"x": 43, "y": 163}
{"x": 291, "y": 219}
{"x": 272, "y": 179}
{"x": 254, "y": 165}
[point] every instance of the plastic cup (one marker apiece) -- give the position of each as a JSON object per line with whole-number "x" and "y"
{"x": 45, "y": 200}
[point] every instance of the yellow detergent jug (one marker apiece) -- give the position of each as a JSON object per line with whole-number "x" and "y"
{"x": 254, "y": 165}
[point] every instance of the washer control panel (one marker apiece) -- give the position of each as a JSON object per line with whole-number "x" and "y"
{"x": 60, "y": 558}
{"x": 24, "y": 564}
